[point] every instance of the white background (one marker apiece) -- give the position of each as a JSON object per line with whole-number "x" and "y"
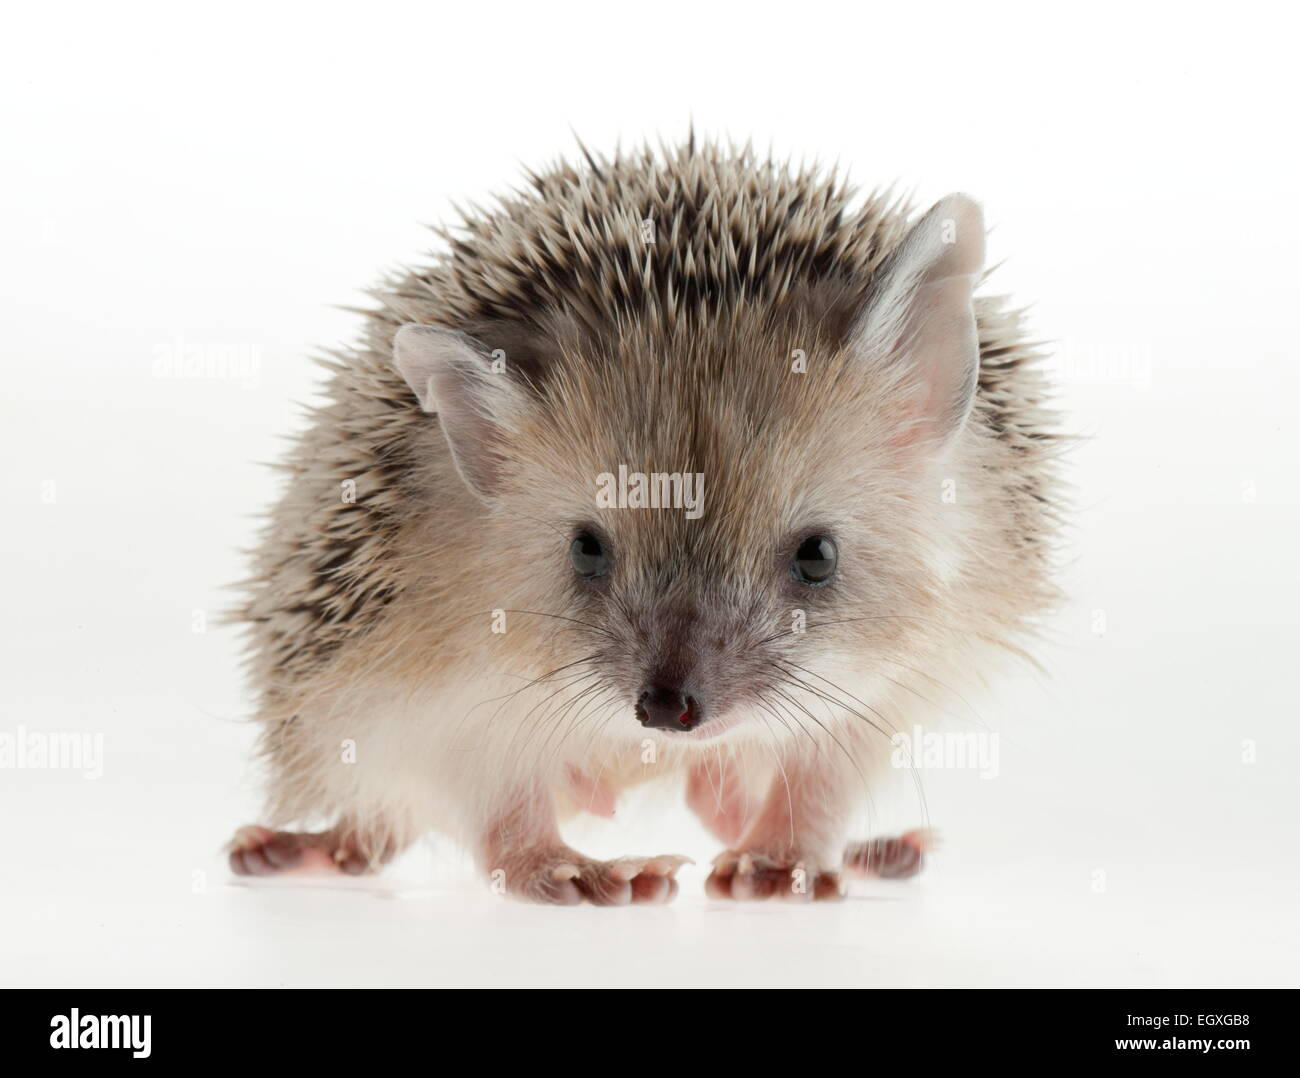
{"x": 221, "y": 176}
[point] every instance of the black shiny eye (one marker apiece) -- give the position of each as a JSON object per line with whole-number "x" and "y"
{"x": 588, "y": 556}
{"x": 814, "y": 561}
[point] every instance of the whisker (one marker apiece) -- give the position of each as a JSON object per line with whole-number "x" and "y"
{"x": 916, "y": 779}
{"x": 560, "y": 617}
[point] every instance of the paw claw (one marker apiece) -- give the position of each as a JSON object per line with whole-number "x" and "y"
{"x": 250, "y": 836}
{"x": 666, "y": 865}
{"x": 625, "y": 868}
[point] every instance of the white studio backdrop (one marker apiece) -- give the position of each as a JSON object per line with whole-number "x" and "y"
{"x": 217, "y": 178}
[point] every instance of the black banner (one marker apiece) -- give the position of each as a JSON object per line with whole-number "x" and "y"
{"x": 162, "y": 1028}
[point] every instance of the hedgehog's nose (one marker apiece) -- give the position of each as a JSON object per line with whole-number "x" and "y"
{"x": 661, "y": 708}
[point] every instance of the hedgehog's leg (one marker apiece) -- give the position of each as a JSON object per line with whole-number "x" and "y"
{"x": 523, "y": 856}
{"x": 890, "y": 858}
{"x": 259, "y": 851}
{"x": 716, "y": 795}
{"x": 794, "y": 846}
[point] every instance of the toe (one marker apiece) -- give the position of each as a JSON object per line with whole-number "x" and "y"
{"x": 601, "y": 888}
{"x": 559, "y": 887}
{"x": 251, "y": 862}
{"x": 282, "y": 851}
{"x": 828, "y": 887}
{"x": 653, "y": 890}
{"x": 718, "y": 885}
{"x": 758, "y": 879}
{"x": 352, "y": 863}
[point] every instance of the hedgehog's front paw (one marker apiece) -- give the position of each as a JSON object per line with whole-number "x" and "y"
{"x": 259, "y": 851}
{"x": 559, "y": 876}
{"x": 890, "y": 858}
{"x": 745, "y": 876}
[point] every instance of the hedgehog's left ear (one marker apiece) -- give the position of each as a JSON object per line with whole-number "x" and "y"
{"x": 919, "y": 322}
{"x": 477, "y": 402}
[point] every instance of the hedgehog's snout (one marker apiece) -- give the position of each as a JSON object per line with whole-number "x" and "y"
{"x": 693, "y": 660}
{"x": 662, "y": 707}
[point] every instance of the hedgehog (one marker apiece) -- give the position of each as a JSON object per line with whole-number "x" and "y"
{"x": 675, "y": 463}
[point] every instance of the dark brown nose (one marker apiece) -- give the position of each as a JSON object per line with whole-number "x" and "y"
{"x": 660, "y": 708}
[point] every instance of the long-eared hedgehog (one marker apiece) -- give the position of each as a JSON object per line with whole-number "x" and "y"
{"x": 682, "y": 461}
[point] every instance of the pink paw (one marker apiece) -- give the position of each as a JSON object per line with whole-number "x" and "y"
{"x": 745, "y": 877}
{"x": 565, "y": 878}
{"x": 259, "y": 851}
{"x": 891, "y": 858}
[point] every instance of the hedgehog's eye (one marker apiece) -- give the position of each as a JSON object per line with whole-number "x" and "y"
{"x": 588, "y": 556}
{"x": 814, "y": 561}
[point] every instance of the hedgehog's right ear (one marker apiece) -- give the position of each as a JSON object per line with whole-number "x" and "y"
{"x": 919, "y": 324}
{"x": 476, "y": 401}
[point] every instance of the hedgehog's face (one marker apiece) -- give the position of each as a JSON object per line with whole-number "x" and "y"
{"x": 712, "y": 521}
{"x": 714, "y": 567}
{"x": 696, "y": 624}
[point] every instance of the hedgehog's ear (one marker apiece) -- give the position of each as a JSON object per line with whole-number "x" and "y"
{"x": 476, "y": 401}
{"x": 920, "y": 320}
